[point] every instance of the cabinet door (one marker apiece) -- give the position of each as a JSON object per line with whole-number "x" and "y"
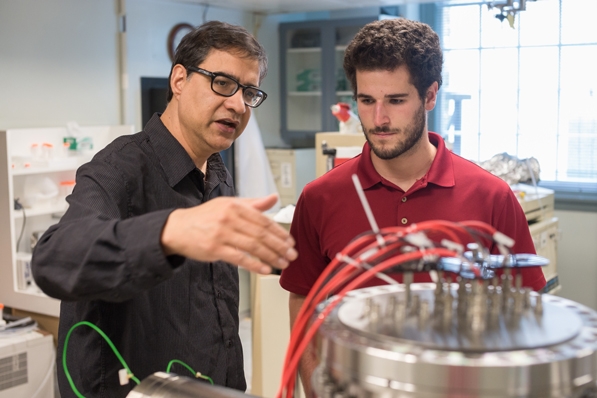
{"x": 312, "y": 76}
{"x": 304, "y": 79}
{"x": 343, "y": 89}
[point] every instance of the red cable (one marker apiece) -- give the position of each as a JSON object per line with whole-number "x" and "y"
{"x": 393, "y": 240}
{"x": 290, "y": 372}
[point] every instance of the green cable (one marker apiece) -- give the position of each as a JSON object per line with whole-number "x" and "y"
{"x": 172, "y": 362}
{"x": 91, "y": 325}
{"x": 196, "y": 374}
{"x": 206, "y": 378}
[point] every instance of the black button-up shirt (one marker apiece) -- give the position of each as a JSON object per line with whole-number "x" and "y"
{"x": 105, "y": 262}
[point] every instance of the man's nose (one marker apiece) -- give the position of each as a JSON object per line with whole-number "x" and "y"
{"x": 380, "y": 116}
{"x": 236, "y": 102}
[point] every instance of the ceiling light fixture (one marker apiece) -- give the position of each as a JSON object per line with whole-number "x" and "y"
{"x": 508, "y": 9}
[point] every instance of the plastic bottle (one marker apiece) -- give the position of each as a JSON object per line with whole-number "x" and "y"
{"x": 349, "y": 123}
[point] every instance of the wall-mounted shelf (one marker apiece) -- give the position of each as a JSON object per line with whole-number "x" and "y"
{"x": 45, "y": 170}
{"x": 305, "y": 93}
{"x": 41, "y": 210}
{"x": 304, "y": 50}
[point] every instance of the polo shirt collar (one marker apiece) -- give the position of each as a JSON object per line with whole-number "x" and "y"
{"x": 174, "y": 159}
{"x": 440, "y": 173}
{"x": 368, "y": 176}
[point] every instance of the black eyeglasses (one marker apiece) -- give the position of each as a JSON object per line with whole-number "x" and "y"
{"x": 227, "y": 87}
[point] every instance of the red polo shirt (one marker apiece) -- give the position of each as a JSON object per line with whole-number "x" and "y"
{"x": 329, "y": 214}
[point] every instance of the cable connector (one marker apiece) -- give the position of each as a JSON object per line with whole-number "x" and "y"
{"x": 504, "y": 251}
{"x": 503, "y": 239}
{"x": 346, "y": 259}
{"x": 448, "y": 244}
{"x": 198, "y": 375}
{"x": 368, "y": 253}
{"x": 124, "y": 376}
{"x": 419, "y": 239}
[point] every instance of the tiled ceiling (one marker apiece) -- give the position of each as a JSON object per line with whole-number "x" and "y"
{"x": 284, "y": 6}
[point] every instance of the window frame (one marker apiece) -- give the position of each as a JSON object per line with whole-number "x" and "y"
{"x": 572, "y": 196}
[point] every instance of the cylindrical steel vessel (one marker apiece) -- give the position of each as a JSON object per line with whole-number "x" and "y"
{"x": 170, "y": 385}
{"x": 462, "y": 340}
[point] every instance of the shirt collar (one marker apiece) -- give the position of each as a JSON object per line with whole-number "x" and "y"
{"x": 174, "y": 159}
{"x": 440, "y": 173}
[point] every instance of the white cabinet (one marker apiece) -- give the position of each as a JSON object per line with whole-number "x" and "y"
{"x": 545, "y": 235}
{"x": 538, "y": 205}
{"x": 37, "y": 171}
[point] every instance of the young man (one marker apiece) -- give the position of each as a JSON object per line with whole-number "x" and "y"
{"x": 148, "y": 248}
{"x": 407, "y": 173}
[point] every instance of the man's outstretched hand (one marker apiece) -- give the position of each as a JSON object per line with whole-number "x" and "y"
{"x": 230, "y": 229}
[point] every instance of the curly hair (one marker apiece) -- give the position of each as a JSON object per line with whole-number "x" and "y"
{"x": 391, "y": 43}
{"x": 196, "y": 45}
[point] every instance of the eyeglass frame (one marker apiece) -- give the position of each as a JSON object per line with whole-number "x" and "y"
{"x": 213, "y": 75}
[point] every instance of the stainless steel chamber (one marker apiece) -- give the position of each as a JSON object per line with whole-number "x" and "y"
{"x": 170, "y": 385}
{"x": 468, "y": 339}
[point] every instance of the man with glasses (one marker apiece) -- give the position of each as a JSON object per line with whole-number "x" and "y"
{"x": 148, "y": 248}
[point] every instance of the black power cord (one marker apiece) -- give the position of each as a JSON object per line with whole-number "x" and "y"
{"x": 19, "y": 206}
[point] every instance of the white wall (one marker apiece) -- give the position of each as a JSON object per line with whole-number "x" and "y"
{"x": 577, "y": 256}
{"x": 58, "y": 62}
{"x": 59, "y": 59}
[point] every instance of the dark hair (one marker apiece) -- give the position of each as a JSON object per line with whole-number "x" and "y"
{"x": 196, "y": 45}
{"x": 391, "y": 43}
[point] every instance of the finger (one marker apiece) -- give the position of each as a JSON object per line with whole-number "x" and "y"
{"x": 260, "y": 242}
{"x": 250, "y": 221}
{"x": 262, "y": 221}
{"x": 244, "y": 260}
{"x": 264, "y": 203}
{"x": 262, "y": 248}
{"x": 271, "y": 243}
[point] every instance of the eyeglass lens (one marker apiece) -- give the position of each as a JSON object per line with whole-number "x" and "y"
{"x": 226, "y": 86}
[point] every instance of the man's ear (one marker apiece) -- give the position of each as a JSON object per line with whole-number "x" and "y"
{"x": 178, "y": 79}
{"x": 431, "y": 96}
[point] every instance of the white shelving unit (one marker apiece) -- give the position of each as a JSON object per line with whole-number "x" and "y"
{"x": 19, "y": 169}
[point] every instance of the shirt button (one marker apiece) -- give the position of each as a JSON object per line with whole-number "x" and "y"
{"x": 404, "y": 199}
{"x": 218, "y": 294}
{"x": 404, "y": 221}
{"x": 229, "y": 343}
